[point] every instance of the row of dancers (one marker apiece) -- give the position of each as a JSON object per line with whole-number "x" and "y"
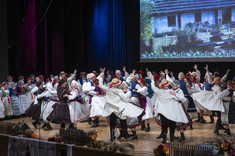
{"x": 129, "y": 100}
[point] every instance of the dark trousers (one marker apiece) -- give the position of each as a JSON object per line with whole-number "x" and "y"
{"x": 167, "y": 123}
{"x": 113, "y": 120}
{"x": 218, "y": 122}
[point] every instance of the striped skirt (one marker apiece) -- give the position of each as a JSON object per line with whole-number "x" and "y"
{"x": 23, "y": 103}
{"x": 16, "y": 108}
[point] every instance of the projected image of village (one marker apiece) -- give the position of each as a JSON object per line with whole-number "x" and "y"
{"x": 171, "y": 29}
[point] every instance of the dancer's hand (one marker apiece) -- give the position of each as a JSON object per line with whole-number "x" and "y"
{"x": 172, "y": 93}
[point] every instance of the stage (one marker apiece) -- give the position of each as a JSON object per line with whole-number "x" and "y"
{"x": 146, "y": 140}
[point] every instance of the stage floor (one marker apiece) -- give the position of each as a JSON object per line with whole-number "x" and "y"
{"x": 146, "y": 140}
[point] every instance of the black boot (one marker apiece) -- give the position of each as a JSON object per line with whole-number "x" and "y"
{"x": 202, "y": 120}
{"x": 148, "y": 128}
{"x": 125, "y": 133}
{"x": 71, "y": 126}
{"x": 94, "y": 124}
{"x": 62, "y": 126}
{"x": 35, "y": 124}
{"x": 164, "y": 138}
{"x": 134, "y": 137}
{"x": 143, "y": 128}
{"x": 191, "y": 127}
{"x": 216, "y": 131}
{"x": 227, "y": 132}
{"x": 212, "y": 118}
{"x": 198, "y": 116}
{"x": 89, "y": 121}
{"x": 48, "y": 127}
{"x": 44, "y": 125}
{"x": 172, "y": 135}
{"x": 97, "y": 121}
{"x": 182, "y": 138}
{"x": 160, "y": 136}
{"x": 121, "y": 135}
{"x": 112, "y": 134}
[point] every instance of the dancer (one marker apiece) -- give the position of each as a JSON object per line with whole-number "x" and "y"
{"x": 6, "y": 101}
{"x": 34, "y": 110}
{"x": 24, "y": 104}
{"x": 94, "y": 96}
{"x": 118, "y": 106}
{"x": 78, "y": 110}
{"x": 16, "y": 107}
{"x": 169, "y": 108}
{"x": 151, "y": 98}
{"x": 60, "y": 114}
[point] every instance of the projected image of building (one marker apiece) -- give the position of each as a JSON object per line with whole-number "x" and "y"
{"x": 187, "y": 28}
{"x": 170, "y": 15}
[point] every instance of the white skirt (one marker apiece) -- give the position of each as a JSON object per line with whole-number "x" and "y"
{"x": 46, "y": 109}
{"x": 30, "y": 97}
{"x": 78, "y": 112}
{"x": 224, "y": 115}
{"x": 149, "y": 110}
{"x": 23, "y": 103}
{"x": 2, "y": 110}
{"x": 8, "y": 106}
{"x": 120, "y": 108}
{"x": 207, "y": 100}
{"x": 132, "y": 122}
{"x": 97, "y": 106}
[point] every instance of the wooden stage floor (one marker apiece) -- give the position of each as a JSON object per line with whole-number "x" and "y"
{"x": 146, "y": 140}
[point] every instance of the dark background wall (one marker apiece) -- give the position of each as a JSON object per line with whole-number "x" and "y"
{"x": 3, "y": 40}
{"x": 82, "y": 34}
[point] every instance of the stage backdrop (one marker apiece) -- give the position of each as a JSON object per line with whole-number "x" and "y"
{"x": 87, "y": 34}
{"x": 187, "y": 30}
{"x": 48, "y": 36}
